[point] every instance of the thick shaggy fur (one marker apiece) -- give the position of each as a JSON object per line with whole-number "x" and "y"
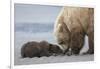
{"x": 72, "y": 24}
{"x": 39, "y": 49}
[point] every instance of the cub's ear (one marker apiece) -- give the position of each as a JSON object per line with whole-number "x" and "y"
{"x": 50, "y": 47}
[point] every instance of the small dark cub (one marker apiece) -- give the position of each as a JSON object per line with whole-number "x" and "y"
{"x": 39, "y": 49}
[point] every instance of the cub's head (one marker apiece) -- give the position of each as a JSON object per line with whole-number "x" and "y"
{"x": 55, "y": 49}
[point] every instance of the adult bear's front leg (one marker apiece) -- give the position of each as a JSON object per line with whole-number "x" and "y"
{"x": 91, "y": 44}
{"x": 90, "y": 32}
{"x": 77, "y": 42}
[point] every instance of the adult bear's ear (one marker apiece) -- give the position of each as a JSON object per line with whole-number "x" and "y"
{"x": 65, "y": 28}
{"x": 60, "y": 28}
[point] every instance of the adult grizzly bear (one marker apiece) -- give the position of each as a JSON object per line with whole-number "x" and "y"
{"x": 72, "y": 24}
{"x": 38, "y": 49}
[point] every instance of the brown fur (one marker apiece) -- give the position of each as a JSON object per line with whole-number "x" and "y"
{"x": 38, "y": 49}
{"x": 55, "y": 49}
{"x": 72, "y": 24}
{"x": 31, "y": 49}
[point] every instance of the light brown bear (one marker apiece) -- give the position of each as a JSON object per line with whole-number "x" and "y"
{"x": 72, "y": 24}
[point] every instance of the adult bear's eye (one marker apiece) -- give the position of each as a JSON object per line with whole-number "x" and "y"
{"x": 61, "y": 42}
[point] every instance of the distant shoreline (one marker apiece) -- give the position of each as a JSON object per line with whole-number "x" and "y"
{"x": 34, "y": 27}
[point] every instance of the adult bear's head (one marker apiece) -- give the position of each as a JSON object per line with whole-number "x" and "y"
{"x": 63, "y": 36}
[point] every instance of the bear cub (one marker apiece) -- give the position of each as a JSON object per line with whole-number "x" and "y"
{"x": 39, "y": 49}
